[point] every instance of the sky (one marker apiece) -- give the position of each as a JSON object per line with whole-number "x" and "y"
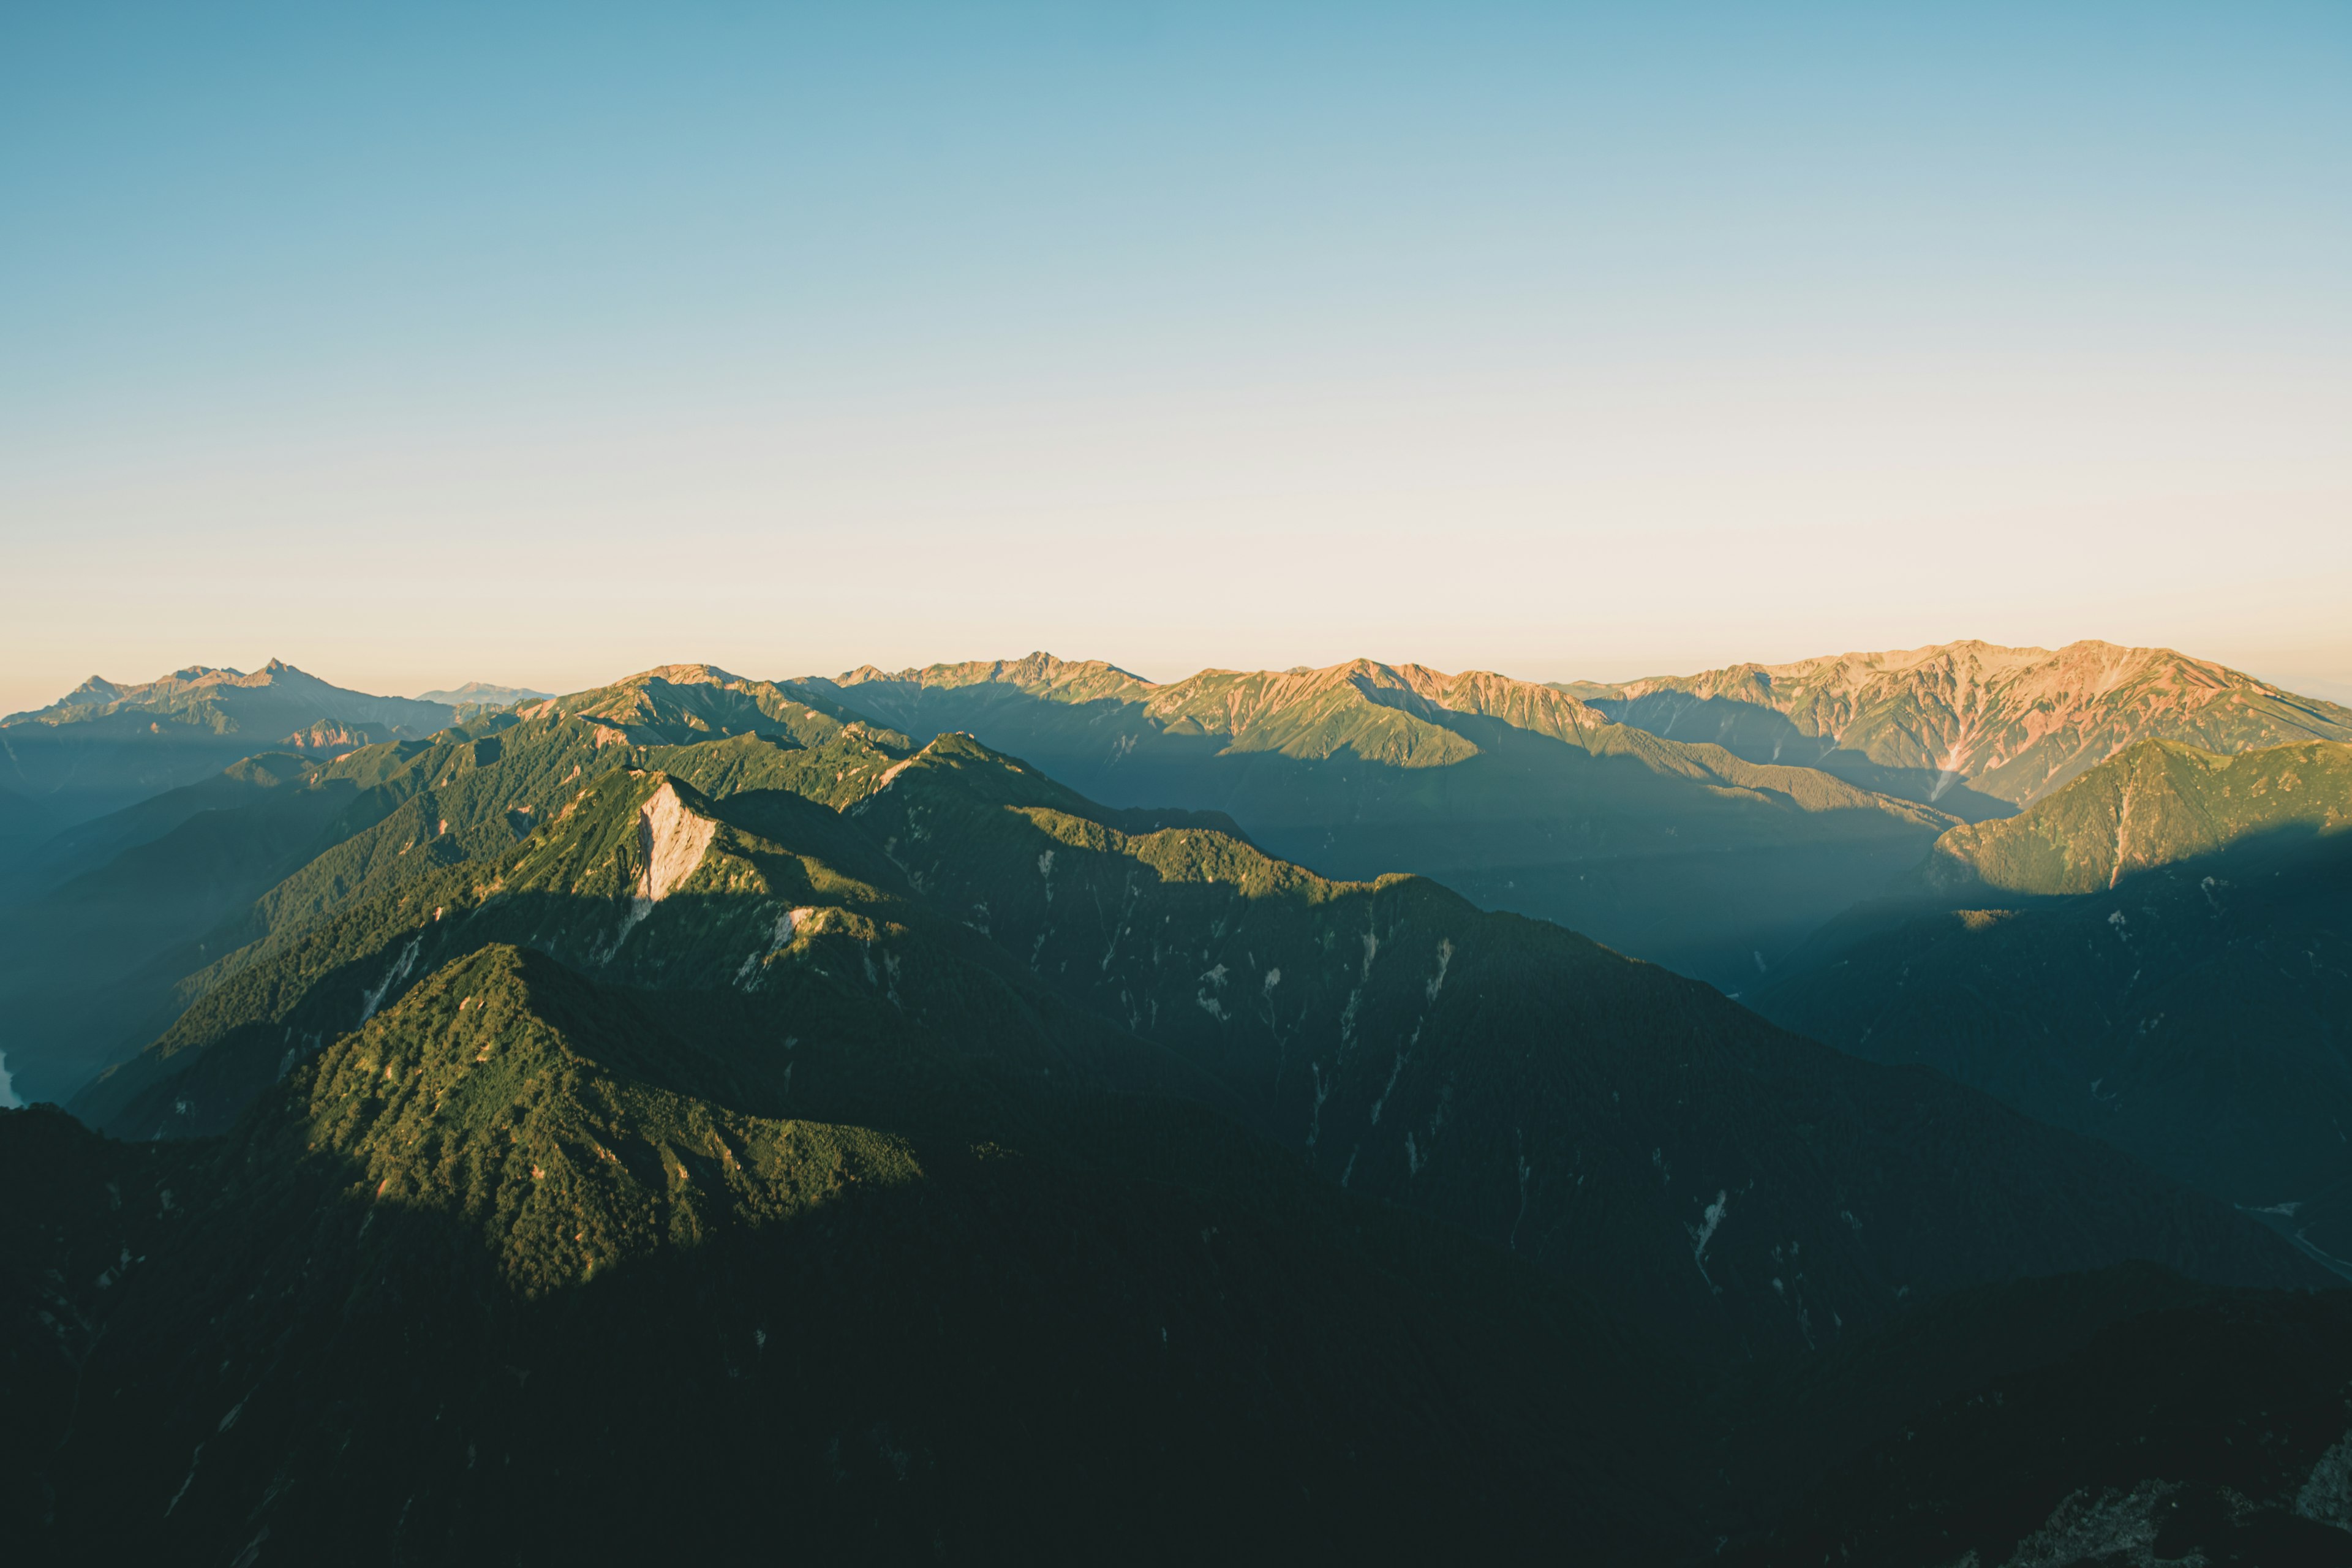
{"x": 416, "y": 344}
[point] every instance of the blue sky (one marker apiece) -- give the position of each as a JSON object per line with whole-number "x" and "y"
{"x": 417, "y": 344}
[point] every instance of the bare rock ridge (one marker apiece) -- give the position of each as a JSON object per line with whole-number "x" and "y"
{"x": 1954, "y": 722}
{"x": 230, "y": 694}
{"x": 675, "y": 837}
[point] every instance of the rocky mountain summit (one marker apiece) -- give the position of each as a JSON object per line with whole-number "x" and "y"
{"x": 1970, "y": 726}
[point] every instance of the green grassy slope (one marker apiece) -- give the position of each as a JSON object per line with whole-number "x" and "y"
{"x": 532, "y": 1267}
{"x": 1737, "y": 1187}
{"x": 803, "y": 917}
{"x": 2155, "y": 803}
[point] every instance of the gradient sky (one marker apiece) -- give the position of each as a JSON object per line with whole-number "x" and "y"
{"x": 417, "y": 344}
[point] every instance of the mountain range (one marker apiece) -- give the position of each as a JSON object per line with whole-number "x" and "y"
{"x": 1519, "y": 797}
{"x": 701, "y": 1112}
{"x": 105, "y": 746}
{"x": 1976, "y": 729}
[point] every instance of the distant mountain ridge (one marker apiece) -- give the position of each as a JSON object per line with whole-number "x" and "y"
{"x": 1519, "y": 796}
{"x": 229, "y": 700}
{"x": 1971, "y": 726}
{"x": 485, "y": 694}
{"x": 105, "y": 746}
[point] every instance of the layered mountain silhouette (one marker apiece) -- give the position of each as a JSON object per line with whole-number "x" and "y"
{"x": 105, "y": 746}
{"x": 1520, "y": 797}
{"x": 1975, "y": 728}
{"x": 2158, "y": 954}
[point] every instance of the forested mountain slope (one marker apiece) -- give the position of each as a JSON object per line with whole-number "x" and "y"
{"x": 167, "y": 892}
{"x": 534, "y": 1268}
{"x": 1620, "y": 1126}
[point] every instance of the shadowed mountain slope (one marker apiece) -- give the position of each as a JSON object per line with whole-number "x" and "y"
{"x": 1975, "y": 728}
{"x": 533, "y": 1268}
{"x": 1699, "y": 1169}
{"x": 2159, "y": 955}
{"x": 1520, "y": 797}
{"x": 2212, "y": 1431}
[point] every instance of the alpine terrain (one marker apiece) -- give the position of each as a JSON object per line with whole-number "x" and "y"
{"x": 1977, "y": 729}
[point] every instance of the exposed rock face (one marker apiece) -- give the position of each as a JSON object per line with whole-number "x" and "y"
{"x": 2011, "y": 723}
{"x": 675, "y": 838}
{"x": 334, "y": 735}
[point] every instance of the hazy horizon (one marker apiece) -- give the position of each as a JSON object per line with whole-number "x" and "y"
{"x": 1572, "y": 342}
